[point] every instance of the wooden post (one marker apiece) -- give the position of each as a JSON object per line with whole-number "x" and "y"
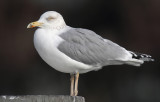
{"x": 41, "y": 98}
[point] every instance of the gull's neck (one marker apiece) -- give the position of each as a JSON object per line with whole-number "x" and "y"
{"x": 56, "y": 30}
{"x": 60, "y": 26}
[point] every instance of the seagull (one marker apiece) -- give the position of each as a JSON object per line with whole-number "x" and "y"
{"x": 77, "y": 50}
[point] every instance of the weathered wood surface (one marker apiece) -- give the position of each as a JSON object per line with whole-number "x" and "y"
{"x": 41, "y": 98}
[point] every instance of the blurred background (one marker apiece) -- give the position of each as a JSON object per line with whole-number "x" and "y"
{"x": 133, "y": 24}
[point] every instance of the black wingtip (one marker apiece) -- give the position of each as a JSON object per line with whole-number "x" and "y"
{"x": 141, "y": 56}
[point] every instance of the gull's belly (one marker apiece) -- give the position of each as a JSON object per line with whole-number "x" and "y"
{"x": 54, "y": 58}
{"x": 46, "y": 46}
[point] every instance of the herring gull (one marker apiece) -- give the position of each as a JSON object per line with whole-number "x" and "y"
{"x": 76, "y": 50}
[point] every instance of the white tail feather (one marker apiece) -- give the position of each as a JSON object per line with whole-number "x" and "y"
{"x": 134, "y": 62}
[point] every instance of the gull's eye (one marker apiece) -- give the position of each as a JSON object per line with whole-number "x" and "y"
{"x": 50, "y": 18}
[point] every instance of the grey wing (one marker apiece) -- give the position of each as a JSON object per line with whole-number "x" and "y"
{"x": 86, "y": 46}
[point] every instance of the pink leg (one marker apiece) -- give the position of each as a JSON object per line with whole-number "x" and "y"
{"x": 72, "y": 85}
{"x": 76, "y": 84}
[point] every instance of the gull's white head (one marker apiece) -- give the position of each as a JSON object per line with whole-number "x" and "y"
{"x": 49, "y": 19}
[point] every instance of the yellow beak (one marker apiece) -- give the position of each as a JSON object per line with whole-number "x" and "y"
{"x": 34, "y": 24}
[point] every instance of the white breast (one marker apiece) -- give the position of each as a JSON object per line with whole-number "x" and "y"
{"x": 46, "y": 42}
